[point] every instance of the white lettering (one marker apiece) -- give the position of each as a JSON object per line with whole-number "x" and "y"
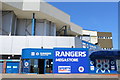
{"x": 66, "y": 59}
{"x": 70, "y": 54}
{"x": 57, "y": 53}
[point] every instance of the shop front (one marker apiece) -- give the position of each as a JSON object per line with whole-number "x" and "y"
{"x": 104, "y": 62}
{"x": 37, "y": 61}
{"x": 69, "y": 61}
{"x": 57, "y": 60}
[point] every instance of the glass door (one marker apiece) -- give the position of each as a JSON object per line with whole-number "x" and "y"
{"x": 34, "y": 66}
{"x": 49, "y": 66}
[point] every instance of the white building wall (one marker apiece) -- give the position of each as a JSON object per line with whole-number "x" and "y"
{"x": 6, "y": 43}
{"x": 78, "y": 43}
{"x": 94, "y": 39}
{"x": 31, "y": 5}
{"x": 92, "y": 36}
{"x": 86, "y": 38}
{"x": 91, "y": 33}
{"x": 75, "y": 28}
{"x": 14, "y": 44}
{"x": 48, "y": 9}
{"x": 43, "y": 10}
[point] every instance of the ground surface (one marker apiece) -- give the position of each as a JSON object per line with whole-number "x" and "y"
{"x": 60, "y": 77}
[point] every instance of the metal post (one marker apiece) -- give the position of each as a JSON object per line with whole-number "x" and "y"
{"x": 65, "y": 31}
{"x": 33, "y": 25}
{"x": 4, "y": 66}
{"x": 20, "y": 65}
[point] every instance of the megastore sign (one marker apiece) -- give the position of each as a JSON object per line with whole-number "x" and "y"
{"x": 71, "y": 60}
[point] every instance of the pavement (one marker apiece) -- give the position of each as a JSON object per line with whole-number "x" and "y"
{"x": 60, "y": 77}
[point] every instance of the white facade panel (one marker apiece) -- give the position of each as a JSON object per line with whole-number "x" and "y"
{"x": 88, "y": 32}
{"x": 63, "y": 42}
{"x": 18, "y": 4}
{"x": 18, "y": 43}
{"x": 49, "y": 43}
{"x": 92, "y": 36}
{"x": 78, "y": 42}
{"x": 86, "y": 38}
{"x": 53, "y": 11}
{"x": 94, "y": 40}
{"x": 34, "y": 41}
{"x": 15, "y": 44}
{"x": 1, "y": 45}
{"x": 75, "y": 28}
{"x": 6, "y": 44}
{"x": 72, "y": 42}
{"x": 31, "y": 5}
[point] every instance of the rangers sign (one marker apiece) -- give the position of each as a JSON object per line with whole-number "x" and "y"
{"x": 71, "y": 60}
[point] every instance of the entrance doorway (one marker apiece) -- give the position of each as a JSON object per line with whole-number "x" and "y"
{"x": 41, "y": 63}
{"x": 37, "y": 66}
{"x": 40, "y": 66}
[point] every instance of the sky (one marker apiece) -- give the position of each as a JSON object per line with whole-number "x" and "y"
{"x": 96, "y": 16}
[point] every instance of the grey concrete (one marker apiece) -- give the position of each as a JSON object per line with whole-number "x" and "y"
{"x": 59, "y": 76}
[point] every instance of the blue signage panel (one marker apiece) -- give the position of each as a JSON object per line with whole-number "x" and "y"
{"x": 37, "y": 54}
{"x": 71, "y": 60}
{"x": 12, "y": 67}
{"x": 26, "y": 66}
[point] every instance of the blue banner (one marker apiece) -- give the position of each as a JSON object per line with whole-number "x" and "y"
{"x": 26, "y": 66}
{"x": 37, "y": 54}
{"x": 71, "y": 60}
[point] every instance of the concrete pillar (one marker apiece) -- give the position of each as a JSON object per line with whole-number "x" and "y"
{"x": 11, "y": 24}
{"x": 54, "y": 26}
{"x": 45, "y": 27}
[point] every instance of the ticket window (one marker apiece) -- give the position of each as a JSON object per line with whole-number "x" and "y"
{"x": 48, "y": 66}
